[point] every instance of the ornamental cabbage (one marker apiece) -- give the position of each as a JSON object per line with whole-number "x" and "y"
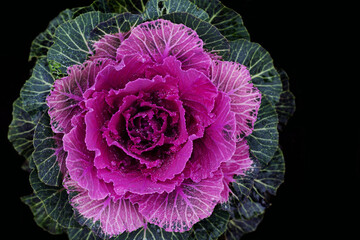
{"x": 140, "y": 125}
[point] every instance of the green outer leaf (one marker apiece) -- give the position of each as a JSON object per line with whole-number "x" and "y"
{"x": 237, "y": 228}
{"x": 131, "y": 6}
{"x": 243, "y": 184}
{"x": 44, "y": 40}
{"x": 226, "y": 20}
{"x": 286, "y": 107}
{"x": 261, "y": 67}
{"x": 247, "y": 210}
{"x": 36, "y": 89}
{"x": 212, "y": 227}
{"x": 119, "y": 23}
{"x": 263, "y": 141}
{"x": 44, "y": 155}
{"x": 113, "y": 6}
{"x": 97, "y": 5}
{"x": 21, "y": 129}
{"x": 154, "y": 9}
{"x": 83, "y": 233}
{"x": 41, "y": 218}
{"x": 71, "y": 39}
{"x": 152, "y": 232}
{"x": 213, "y": 40}
{"x": 55, "y": 200}
{"x": 270, "y": 177}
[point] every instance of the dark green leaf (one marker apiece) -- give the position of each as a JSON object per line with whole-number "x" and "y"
{"x": 262, "y": 70}
{"x": 213, "y": 40}
{"x": 40, "y": 216}
{"x": 263, "y": 141}
{"x": 243, "y": 184}
{"x": 21, "y": 129}
{"x": 97, "y": 5}
{"x": 237, "y": 228}
{"x": 120, "y": 23}
{"x": 83, "y": 233}
{"x": 286, "y": 106}
{"x": 114, "y": 6}
{"x": 270, "y": 177}
{"x": 46, "y": 152}
{"x": 44, "y": 40}
{"x": 212, "y": 227}
{"x": 131, "y": 6}
{"x": 152, "y": 232}
{"x": 36, "y": 89}
{"x": 71, "y": 39}
{"x": 265, "y": 185}
{"x": 55, "y": 200}
{"x": 226, "y": 20}
{"x": 157, "y": 8}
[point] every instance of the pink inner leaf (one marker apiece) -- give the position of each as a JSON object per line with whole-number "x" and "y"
{"x": 80, "y": 162}
{"x": 217, "y": 145}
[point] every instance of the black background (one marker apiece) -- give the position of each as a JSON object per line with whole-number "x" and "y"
{"x": 321, "y": 162}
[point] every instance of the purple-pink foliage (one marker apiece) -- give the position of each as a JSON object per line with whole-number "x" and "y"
{"x": 153, "y": 127}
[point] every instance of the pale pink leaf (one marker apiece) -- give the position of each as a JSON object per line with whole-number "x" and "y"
{"x": 234, "y": 79}
{"x": 237, "y": 165}
{"x": 179, "y": 210}
{"x": 116, "y": 215}
{"x": 65, "y": 99}
{"x": 106, "y": 46}
{"x": 162, "y": 38}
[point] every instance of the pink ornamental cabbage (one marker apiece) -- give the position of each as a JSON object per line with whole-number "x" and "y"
{"x": 154, "y": 127}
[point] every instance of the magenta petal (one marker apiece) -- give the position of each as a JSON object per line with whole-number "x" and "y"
{"x": 80, "y": 162}
{"x": 117, "y": 76}
{"x": 217, "y": 145}
{"x": 196, "y": 91}
{"x": 198, "y": 95}
{"x": 237, "y": 165}
{"x": 179, "y": 210}
{"x": 96, "y": 117}
{"x": 172, "y": 166}
{"x": 234, "y": 79}
{"x": 115, "y": 215}
{"x": 64, "y": 101}
{"x": 136, "y": 182}
{"x": 162, "y": 38}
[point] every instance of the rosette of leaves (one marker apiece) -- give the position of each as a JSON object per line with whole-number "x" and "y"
{"x": 69, "y": 39}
